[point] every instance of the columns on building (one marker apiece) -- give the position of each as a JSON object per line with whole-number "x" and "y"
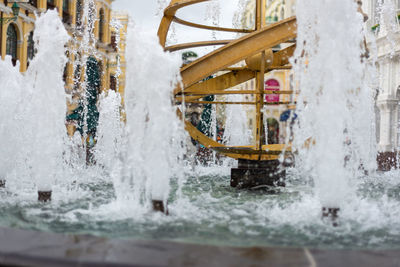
{"x": 59, "y": 5}
{"x": 388, "y": 105}
{"x": 42, "y": 5}
{"x": 389, "y": 109}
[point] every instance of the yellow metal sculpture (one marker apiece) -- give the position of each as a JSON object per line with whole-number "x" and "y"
{"x": 255, "y": 49}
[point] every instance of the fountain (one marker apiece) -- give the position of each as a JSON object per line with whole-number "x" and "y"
{"x": 332, "y": 206}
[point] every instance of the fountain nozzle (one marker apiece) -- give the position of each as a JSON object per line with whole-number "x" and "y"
{"x": 158, "y": 205}
{"x": 332, "y": 214}
{"x": 44, "y": 196}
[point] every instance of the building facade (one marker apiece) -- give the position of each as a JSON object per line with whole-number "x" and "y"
{"x": 100, "y": 50}
{"x": 383, "y": 25}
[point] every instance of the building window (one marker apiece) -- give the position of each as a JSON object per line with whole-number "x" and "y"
{"x": 65, "y": 73}
{"x": 77, "y": 72}
{"x": 113, "y": 83}
{"x": 273, "y": 131}
{"x": 51, "y": 4}
{"x": 114, "y": 44}
{"x": 65, "y": 5}
{"x": 66, "y": 15}
{"x": 11, "y": 43}
{"x": 31, "y": 47}
{"x": 282, "y": 13}
{"x": 101, "y": 25}
{"x": 91, "y": 17}
{"x": 78, "y": 13}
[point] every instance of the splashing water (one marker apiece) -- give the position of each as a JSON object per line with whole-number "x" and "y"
{"x": 236, "y": 125}
{"x": 154, "y": 150}
{"x": 238, "y": 15}
{"x": 48, "y": 134}
{"x": 33, "y": 132}
{"x": 143, "y": 158}
{"x": 334, "y": 133}
{"x": 109, "y": 130}
{"x": 213, "y": 14}
{"x": 12, "y": 117}
{"x": 388, "y": 25}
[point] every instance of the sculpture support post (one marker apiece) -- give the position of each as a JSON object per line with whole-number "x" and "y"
{"x": 158, "y": 205}
{"x": 44, "y": 196}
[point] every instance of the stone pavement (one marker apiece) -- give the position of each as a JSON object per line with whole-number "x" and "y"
{"x": 28, "y": 248}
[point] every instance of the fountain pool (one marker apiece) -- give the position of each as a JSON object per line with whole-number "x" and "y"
{"x": 210, "y": 212}
{"x": 145, "y": 160}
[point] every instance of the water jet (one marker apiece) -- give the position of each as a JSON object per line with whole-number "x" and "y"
{"x": 128, "y": 173}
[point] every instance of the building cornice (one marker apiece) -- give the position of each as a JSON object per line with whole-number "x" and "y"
{"x": 105, "y": 3}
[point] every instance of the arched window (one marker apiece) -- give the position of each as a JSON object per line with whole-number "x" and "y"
{"x": 65, "y": 5}
{"x": 93, "y": 74}
{"x": 272, "y": 85}
{"x": 11, "y": 44}
{"x": 273, "y": 131}
{"x": 101, "y": 25}
{"x": 31, "y": 47}
{"x": 91, "y": 17}
{"x": 113, "y": 82}
{"x": 77, "y": 72}
{"x": 78, "y": 13}
{"x": 51, "y": 4}
{"x": 65, "y": 10}
{"x": 282, "y": 13}
{"x": 65, "y": 73}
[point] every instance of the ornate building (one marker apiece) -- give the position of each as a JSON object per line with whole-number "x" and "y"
{"x": 100, "y": 50}
{"x": 383, "y": 23}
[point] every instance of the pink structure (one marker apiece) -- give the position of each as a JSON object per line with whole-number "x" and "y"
{"x": 272, "y": 85}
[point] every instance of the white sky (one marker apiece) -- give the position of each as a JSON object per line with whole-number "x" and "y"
{"x": 143, "y": 13}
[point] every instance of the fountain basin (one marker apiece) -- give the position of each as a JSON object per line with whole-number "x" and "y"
{"x": 27, "y": 248}
{"x": 210, "y": 212}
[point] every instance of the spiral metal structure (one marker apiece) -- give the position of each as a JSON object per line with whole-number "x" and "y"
{"x": 255, "y": 48}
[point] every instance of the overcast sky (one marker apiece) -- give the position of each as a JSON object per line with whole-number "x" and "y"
{"x": 144, "y": 15}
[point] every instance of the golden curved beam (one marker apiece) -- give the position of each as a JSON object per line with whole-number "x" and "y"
{"x": 209, "y": 143}
{"x": 236, "y": 77}
{"x": 169, "y": 14}
{"x": 194, "y": 74}
{"x": 238, "y": 50}
{"x": 206, "y": 27}
{"x": 177, "y": 47}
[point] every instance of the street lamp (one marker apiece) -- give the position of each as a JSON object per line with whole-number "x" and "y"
{"x": 15, "y": 10}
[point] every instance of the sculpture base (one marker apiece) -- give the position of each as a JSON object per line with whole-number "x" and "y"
{"x": 331, "y": 214}
{"x": 44, "y": 196}
{"x": 158, "y": 205}
{"x": 2, "y": 183}
{"x": 251, "y": 173}
{"x": 387, "y": 161}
